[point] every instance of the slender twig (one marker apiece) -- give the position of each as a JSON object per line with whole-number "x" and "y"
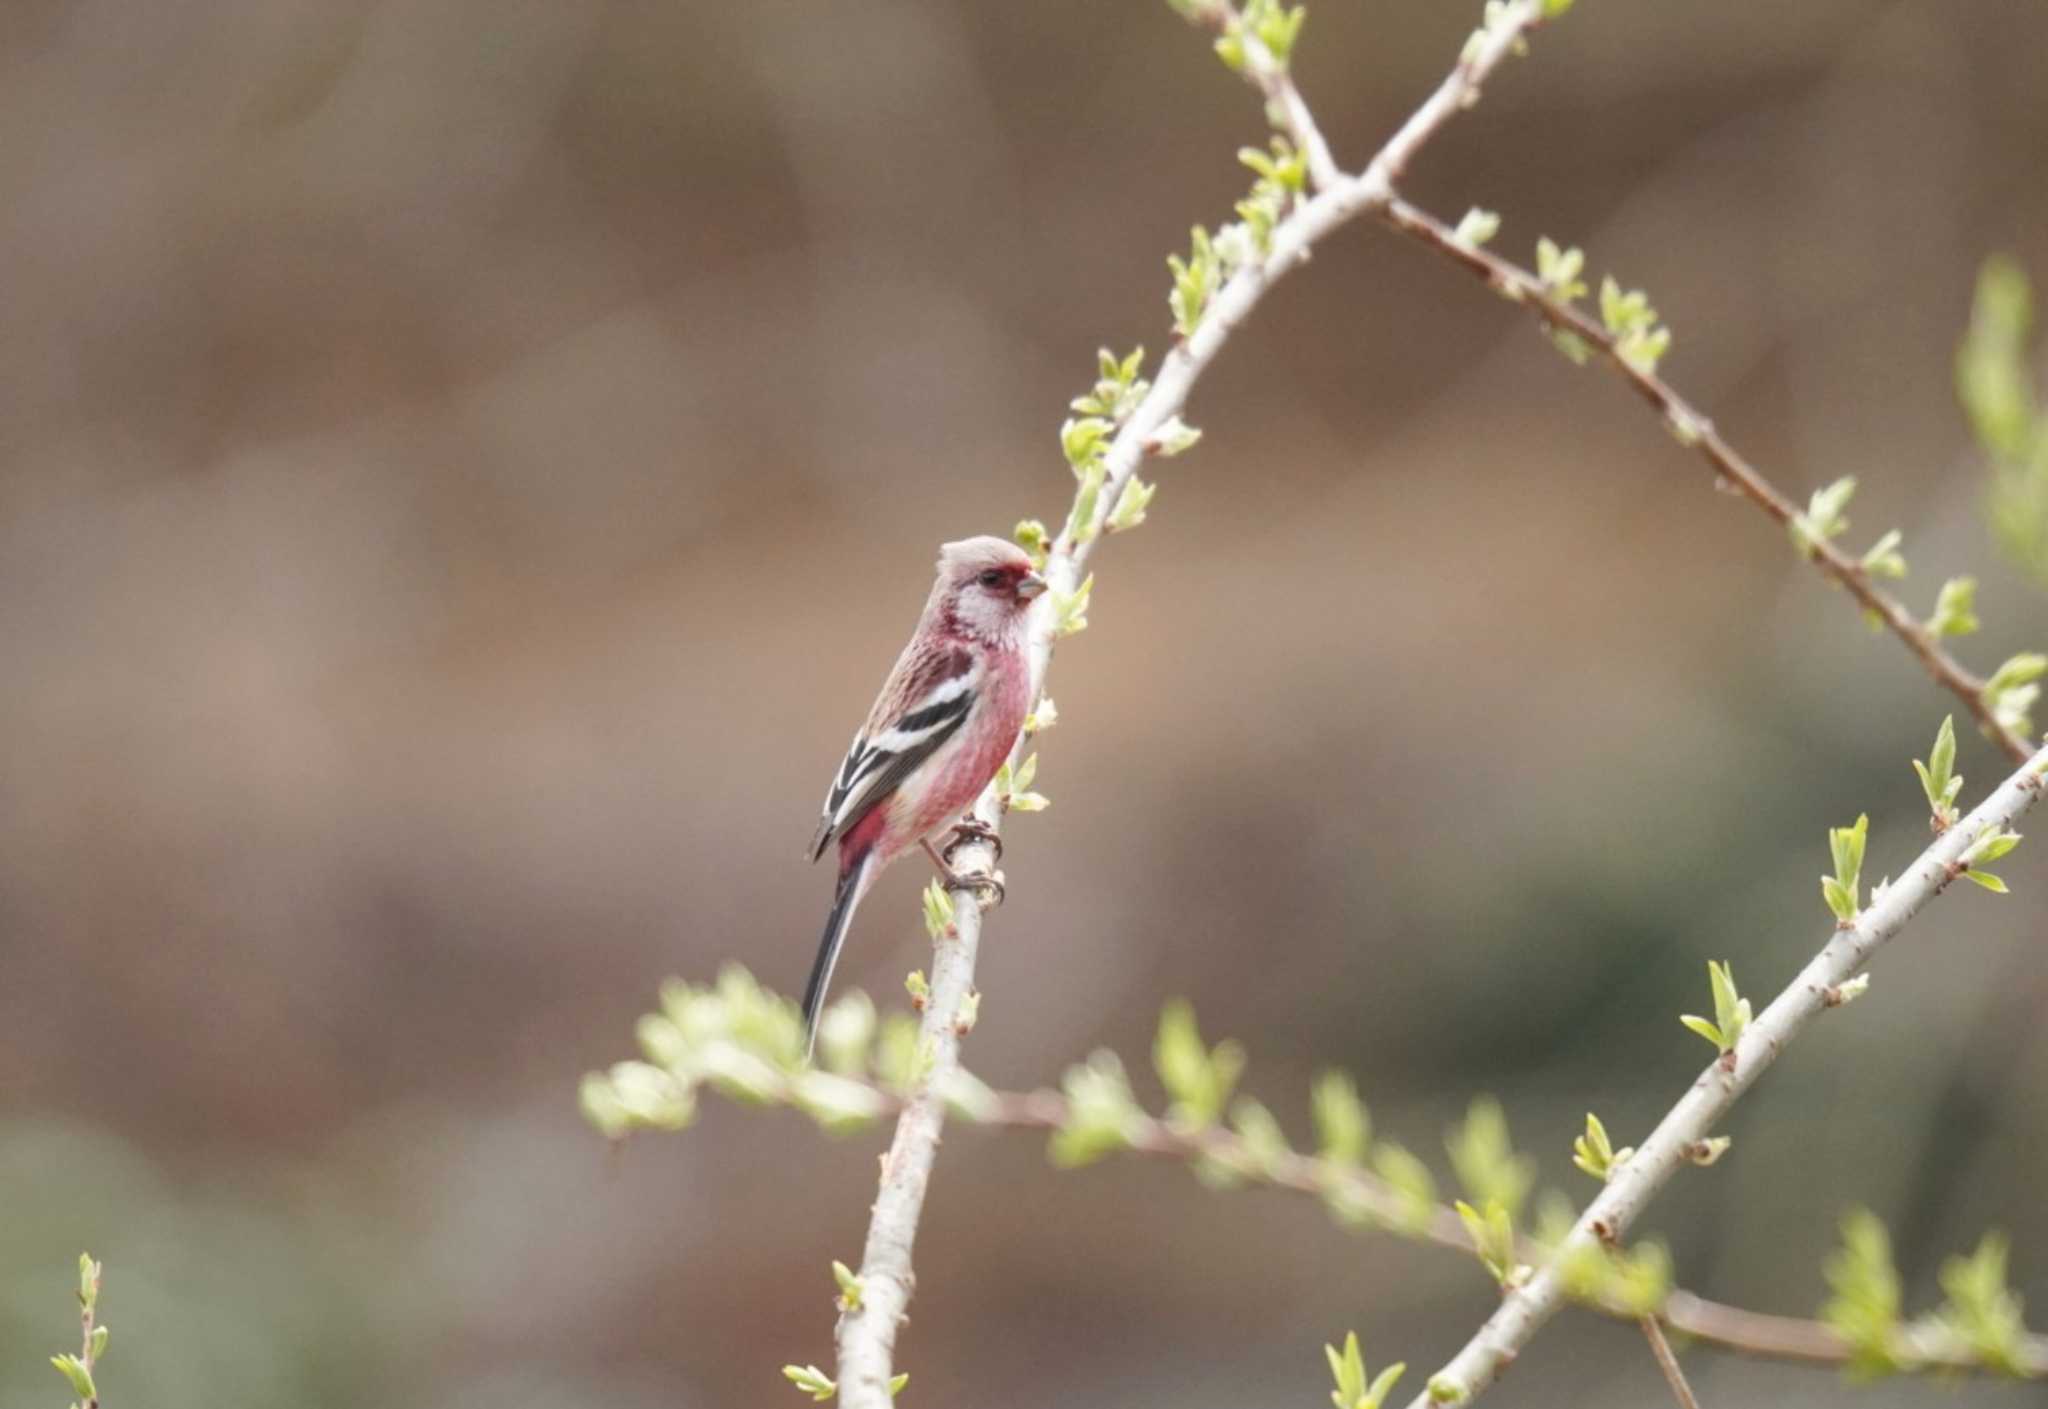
{"x": 867, "y": 1331}
{"x": 1668, "y": 1363}
{"x": 866, "y": 1335}
{"x": 1524, "y": 1309}
{"x": 1716, "y": 1323}
{"x": 1518, "y": 285}
{"x": 1374, "y": 190}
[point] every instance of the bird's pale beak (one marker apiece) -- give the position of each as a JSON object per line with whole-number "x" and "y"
{"x": 1030, "y": 585}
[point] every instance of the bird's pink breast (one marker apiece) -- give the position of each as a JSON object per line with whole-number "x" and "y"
{"x": 966, "y": 770}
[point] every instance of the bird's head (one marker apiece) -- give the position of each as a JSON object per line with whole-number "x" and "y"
{"x": 987, "y": 585}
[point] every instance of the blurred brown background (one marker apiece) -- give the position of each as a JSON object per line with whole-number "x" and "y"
{"x": 469, "y": 462}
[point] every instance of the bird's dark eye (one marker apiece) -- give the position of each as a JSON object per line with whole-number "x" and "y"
{"x": 992, "y": 578}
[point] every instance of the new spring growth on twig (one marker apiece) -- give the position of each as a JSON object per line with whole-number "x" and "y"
{"x": 1843, "y": 890}
{"x": 1354, "y": 1389}
{"x": 1731, "y": 1012}
{"x": 819, "y": 1385}
{"x": 1955, "y": 610}
{"x": 1198, "y": 1079}
{"x": 1628, "y": 317}
{"x": 1102, "y": 1112}
{"x": 1824, "y": 518}
{"x": 1595, "y": 1154}
{"x": 78, "y": 1369}
{"x": 1991, "y": 844}
{"x": 1492, "y": 1231}
{"x": 1938, "y": 778}
{"x": 1343, "y": 1125}
{"x": 1977, "y": 1323}
{"x": 1485, "y": 1161}
{"x": 2012, "y": 689}
{"x": 1996, "y": 387}
{"x": 1558, "y": 270}
{"x": 1476, "y": 227}
{"x": 1013, "y": 790}
{"x": 1070, "y": 609}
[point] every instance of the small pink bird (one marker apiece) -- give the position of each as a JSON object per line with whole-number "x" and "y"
{"x": 944, "y": 722}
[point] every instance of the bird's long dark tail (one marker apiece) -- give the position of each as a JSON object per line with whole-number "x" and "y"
{"x": 844, "y": 900}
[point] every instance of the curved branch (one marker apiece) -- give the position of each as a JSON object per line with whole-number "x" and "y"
{"x": 1717, "y": 1323}
{"x": 1524, "y": 1309}
{"x": 1518, "y": 285}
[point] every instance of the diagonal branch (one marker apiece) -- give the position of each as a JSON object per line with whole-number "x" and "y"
{"x": 1365, "y": 1194}
{"x": 1607, "y": 1220}
{"x": 1667, "y": 1361}
{"x": 1692, "y": 428}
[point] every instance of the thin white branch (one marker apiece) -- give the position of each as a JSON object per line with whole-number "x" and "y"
{"x": 867, "y": 1334}
{"x": 1610, "y": 1216}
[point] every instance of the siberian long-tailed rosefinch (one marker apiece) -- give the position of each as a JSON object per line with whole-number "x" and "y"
{"x": 944, "y": 722}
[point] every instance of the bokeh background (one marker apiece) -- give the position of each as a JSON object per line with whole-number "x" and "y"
{"x": 468, "y": 464}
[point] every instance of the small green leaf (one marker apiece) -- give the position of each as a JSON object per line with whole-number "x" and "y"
{"x": 1492, "y": 1231}
{"x": 1194, "y": 280}
{"x": 846, "y": 1031}
{"x": 1355, "y": 1390}
{"x": 1864, "y": 1309}
{"x": 1131, "y": 502}
{"x": 939, "y": 914}
{"x": 1592, "y": 1151}
{"x": 1070, "y": 609}
{"x": 1731, "y": 1010}
{"x": 2012, "y": 690}
{"x": 1411, "y": 1182}
{"x": 1265, "y": 1144}
{"x": 1844, "y": 889}
{"x": 1477, "y": 227}
{"x": 1173, "y": 436}
{"x": 1823, "y": 519}
{"x": 1343, "y": 1125}
{"x": 1083, "y": 440}
{"x": 1955, "y": 610}
{"x": 1101, "y": 1115}
{"x": 1030, "y": 536}
{"x": 1706, "y": 1153}
{"x": 811, "y": 1380}
{"x": 1938, "y": 778}
{"x": 851, "y": 1288}
{"x": 1992, "y": 379}
{"x": 1081, "y": 524}
{"x": 76, "y": 1371}
{"x": 1884, "y": 558}
{"x": 1558, "y": 270}
{"x": 1485, "y": 1161}
{"x": 1198, "y": 1079}
{"x": 1981, "y": 1310}
{"x": 838, "y": 1104}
